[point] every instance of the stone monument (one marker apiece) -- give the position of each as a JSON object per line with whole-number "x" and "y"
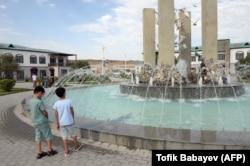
{"x": 166, "y": 36}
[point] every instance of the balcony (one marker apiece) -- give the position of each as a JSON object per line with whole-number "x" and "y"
{"x": 60, "y": 64}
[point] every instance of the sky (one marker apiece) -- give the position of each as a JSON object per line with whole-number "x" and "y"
{"x": 110, "y": 28}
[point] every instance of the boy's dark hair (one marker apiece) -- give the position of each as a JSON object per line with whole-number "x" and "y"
{"x": 60, "y": 91}
{"x": 39, "y": 89}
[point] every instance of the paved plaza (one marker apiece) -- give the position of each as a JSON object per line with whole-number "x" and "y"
{"x": 17, "y": 144}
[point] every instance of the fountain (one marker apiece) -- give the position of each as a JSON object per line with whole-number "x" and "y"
{"x": 215, "y": 84}
{"x": 105, "y": 114}
{"x": 167, "y": 106}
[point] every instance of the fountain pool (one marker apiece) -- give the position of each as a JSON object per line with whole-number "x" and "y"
{"x": 106, "y": 103}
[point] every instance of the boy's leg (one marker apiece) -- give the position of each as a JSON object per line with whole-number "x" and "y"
{"x": 75, "y": 140}
{"x": 38, "y": 139}
{"x": 38, "y": 147}
{"x": 49, "y": 144}
{"x": 48, "y": 135}
{"x": 64, "y": 134}
{"x": 65, "y": 145}
{"x": 78, "y": 145}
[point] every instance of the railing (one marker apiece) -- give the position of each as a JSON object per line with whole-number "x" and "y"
{"x": 61, "y": 64}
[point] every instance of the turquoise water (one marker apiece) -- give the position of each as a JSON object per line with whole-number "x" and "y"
{"x": 107, "y": 103}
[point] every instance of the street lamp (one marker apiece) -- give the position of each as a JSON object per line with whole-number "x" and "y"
{"x": 125, "y": 62}
{"x": 102, "y": 57}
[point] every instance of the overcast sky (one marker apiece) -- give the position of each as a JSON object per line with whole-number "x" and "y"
{"x": 83, "y": 27}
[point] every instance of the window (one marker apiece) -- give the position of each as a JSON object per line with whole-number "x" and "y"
{"x": 42, "y": 73}
{"x": 239, "y": 55}
{"x": 64, "y": 72}
{"x": 52, "y": 60}
{"x": 60, "y": 61}
{"x": 33, "y": 59}
{"x": 19, "y": 58}
{"x": 20, "y": 75}
{"x": 193, "y": 58}
{"x": 199, "y": 58}
{"x": 248, "y": 53}
{"x": 221, "y": 56}
{"x": 42, "y": 60}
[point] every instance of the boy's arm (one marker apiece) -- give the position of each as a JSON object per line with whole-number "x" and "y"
{"x": 72, "y": 112}
{"x": 43, "y": 110}
{"x": 57, "y": 119}
{"x": 45, "y": 113}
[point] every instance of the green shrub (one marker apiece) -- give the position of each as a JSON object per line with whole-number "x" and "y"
{"x": 7, "y": 84}
{"x": 27, "y": 79}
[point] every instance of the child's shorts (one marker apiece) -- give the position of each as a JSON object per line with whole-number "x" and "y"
{"x": 43, "y": 129}
{"x": 67, "y": 130}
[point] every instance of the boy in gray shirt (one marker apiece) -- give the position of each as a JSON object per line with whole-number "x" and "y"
{"x": 40, "y": 121}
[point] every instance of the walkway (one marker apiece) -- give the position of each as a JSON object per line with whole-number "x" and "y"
{"x": 17, "y": 145}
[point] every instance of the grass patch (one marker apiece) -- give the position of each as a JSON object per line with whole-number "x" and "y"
{"x": 14, "y": 90}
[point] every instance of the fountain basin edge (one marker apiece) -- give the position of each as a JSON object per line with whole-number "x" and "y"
{"x": 147, "y": 137}
{"x": 184, "y": 92}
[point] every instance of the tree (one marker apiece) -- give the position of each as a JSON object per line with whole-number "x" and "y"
{"x": 80, "y": 64}
{"x": 8, "y": 65}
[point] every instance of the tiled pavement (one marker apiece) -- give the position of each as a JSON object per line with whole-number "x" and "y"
{"x": 17, "y": 146}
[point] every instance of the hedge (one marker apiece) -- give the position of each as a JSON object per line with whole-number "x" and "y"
{"x": 7, "y": 84}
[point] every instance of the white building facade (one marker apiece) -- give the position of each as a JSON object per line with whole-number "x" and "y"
{"x": 228, "y": 54}
{"x": 37, "y": 61}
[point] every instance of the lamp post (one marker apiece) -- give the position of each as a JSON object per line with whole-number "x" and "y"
{"x": 125, "y": 63}
{"x": 102, "y": 58}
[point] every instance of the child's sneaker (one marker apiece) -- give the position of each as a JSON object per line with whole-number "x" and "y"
{"x": 78, "y": 147}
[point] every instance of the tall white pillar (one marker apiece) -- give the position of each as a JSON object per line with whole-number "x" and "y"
{"x": 149, "y": 36}
{"x": 185, "y": 39}
{"x": 209, "y": 31}
{"x": 166, "y": 37}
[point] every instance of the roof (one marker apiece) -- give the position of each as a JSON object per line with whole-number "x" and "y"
{"x": 23, "y": 48}
{"x": 240, "y": 45}
{"x": 232, "y": 46}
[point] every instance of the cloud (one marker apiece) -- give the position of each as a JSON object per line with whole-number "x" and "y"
{"x": 2, "y": 7}
{"x": 119, "y": 30}
{"x": 234, "y": 20}
{"x": 88, "y": 1}
{"x": 52, "y": 5}
{"x": 9, "y": 31}
{"x": 6, "y": 34}
{"x": 4, "y": 20}
{"x": 51, "y": 45}
{"x": 101, "y": 26}
{"x": 46, "y": 3}
{"x": 41, "y": 1}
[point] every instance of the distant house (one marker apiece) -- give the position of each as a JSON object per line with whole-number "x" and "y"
{"x": 228, "y": 54}
{"x": 38, "y": 61}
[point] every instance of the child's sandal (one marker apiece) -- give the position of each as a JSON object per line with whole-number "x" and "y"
{"x": 39, "y": 156}
{"x": 51, "y": 153}
{"x": 66, "y": 154}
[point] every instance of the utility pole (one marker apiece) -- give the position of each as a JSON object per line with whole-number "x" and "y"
{"x": 103, "y": 58}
